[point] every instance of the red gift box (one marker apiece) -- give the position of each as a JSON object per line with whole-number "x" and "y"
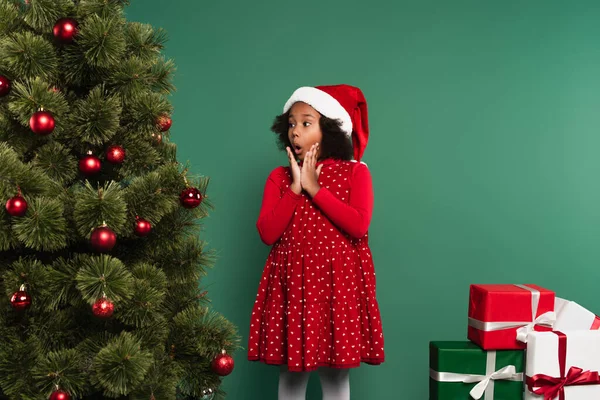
{"x": 496, "y": 312}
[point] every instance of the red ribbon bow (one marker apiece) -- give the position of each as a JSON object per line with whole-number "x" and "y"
{"x": 551, "y": 387}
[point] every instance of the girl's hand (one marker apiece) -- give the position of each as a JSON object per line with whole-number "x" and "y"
{"x": 296, "y": 183}
{"x": 309, "y": 176}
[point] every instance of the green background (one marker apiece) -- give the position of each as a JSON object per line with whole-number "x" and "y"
{"x": 484, "y": 151}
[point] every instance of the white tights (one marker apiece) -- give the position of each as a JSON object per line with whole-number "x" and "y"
{"x": 335, "y": 384}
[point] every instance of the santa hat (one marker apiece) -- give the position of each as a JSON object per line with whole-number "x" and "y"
{"x": 342, "y": 102}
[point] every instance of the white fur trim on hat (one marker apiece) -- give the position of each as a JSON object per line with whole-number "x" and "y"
{"x": 324, "y": 103}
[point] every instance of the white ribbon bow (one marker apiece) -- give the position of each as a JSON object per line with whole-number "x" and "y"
{"x": 547, "y": 319}
{"x": 507, "y": 373}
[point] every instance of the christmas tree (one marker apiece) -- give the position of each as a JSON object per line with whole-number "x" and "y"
{"x": 100, "y": 256}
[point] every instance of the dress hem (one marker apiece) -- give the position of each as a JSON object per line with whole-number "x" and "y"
{"x": 370, "y": 361}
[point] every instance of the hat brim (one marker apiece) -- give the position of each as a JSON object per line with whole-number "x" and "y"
{"x": 324, "y": 103}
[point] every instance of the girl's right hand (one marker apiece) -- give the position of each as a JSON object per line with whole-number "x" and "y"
{"x": 296, "y": 185}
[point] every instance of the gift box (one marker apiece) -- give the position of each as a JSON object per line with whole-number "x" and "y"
{"x": 462, "y": 370}
{"x": 570, "y": 316}
{"x": 499, "y": 314}
{"x": 563, "y": 365}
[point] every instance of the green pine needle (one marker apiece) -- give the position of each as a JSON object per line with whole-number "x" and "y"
{"x": 103, "y": 8}
{"x": 95, "y": 119}
{"x": 105, "y": 204}
{"x": 28, "y": 271}
{"x": 144, "y": 305}
{"x": 144, "y": 41}
{"x": 9, "y": 17}
{"x": 43, "y": 14}
{"x": 161, "y": 380}
{"x": 33, "y": 94}
{"x": 102, "y": 40}
{"x": 61, "y": 368}
{"x": 17, "y": 361}
{"x": 103, "y": 275}
{"x": 43, "y": 227}
{"x": 121, "y": 365}
{"x": 28, "y": 56}
{"x": 62, "y": 283}
{"x": 57, "y": 162}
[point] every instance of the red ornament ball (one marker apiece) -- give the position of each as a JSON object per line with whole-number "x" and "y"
{"x": 60, "y": 395}
{"x": 142, "y": 227}
{"x": 164, "y": 123}
{"x": 4, "y": 86}
{"x": 115, "y": 154}
{"x": 90, "y": 164}
{"x": 190, "y": 197}
{"x": 65, "y": 30}
{"x": 16, "y": 206}
{"x": 20, "y": 300}
{"x": 42, "y": 123}
{"x": 103, "y": 239}
{"x": 103, "y": 308}
{"x": 222, "y": 364}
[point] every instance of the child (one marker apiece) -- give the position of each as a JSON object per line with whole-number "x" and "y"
{"x": 316, "y": 307}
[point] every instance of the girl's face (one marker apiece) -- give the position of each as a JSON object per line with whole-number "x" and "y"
{"x": 304, "y": 129}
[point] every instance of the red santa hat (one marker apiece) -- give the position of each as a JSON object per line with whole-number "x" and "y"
{"x": 342, "y": 102}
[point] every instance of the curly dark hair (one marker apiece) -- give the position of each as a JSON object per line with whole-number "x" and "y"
{"x": 335, "y": 143}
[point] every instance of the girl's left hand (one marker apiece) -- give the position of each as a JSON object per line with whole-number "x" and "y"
{"x": 309, "y": 178}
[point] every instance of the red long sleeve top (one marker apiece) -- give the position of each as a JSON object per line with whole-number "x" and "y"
{"x": 279, "y": 203}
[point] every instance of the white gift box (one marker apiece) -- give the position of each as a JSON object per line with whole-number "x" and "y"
{"x": 582, "y": 350}
{"x": 570, "y": 316}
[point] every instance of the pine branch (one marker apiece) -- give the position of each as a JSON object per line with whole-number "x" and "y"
{"x": 31, "y": 95}
{"x": 16, "y": 135}
{"x": 29, "y": 272}
{"x": 141, "y": 310}
{"x": 103, "y": 275}
{"x": 161, "y": 380}
{"x": 9, "y": 18}
{"x": 16, "y": 377}
{"x": 144, "y": 110}
{"x": 190, "y": 262}
{"x": 102, "y": 40}
{"x": 96, "y": 206}
{"x": 154, "y": 334}
{"x": 161, "y": 75}
{"x": 129, "y": 77}
{"x": 95, "y": 119}
{"x": 141, "y": 156}
{"x": 61, "y": 368}
{"x": 121, "y": 365}
{"x": 102, "y": 8}
{"x": 43, "y": 227}
{"x": 28, "y": 56}
{"x": 77, "y": 72}
{"x": 57, "y": 162}
{"x": 143, "y": 41}
{"x": 150, "y": 197}
{"x": 43, "y": 14}
{"x": 62, "y": 283}
{"x": 7, "y": 239}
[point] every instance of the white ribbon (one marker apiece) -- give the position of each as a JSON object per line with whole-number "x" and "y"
{"x": 546, "y": 319}
{"x": 486, "y": 382}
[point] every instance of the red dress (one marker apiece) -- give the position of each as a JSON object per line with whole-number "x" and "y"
{"x": 316, "y": 304}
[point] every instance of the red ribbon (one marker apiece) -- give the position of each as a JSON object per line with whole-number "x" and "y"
{"x": 596, "y": 324}
{"x": 551, "y": 387}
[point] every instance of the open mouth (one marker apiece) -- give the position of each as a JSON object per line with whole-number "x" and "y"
{"x": 297, "y": 149}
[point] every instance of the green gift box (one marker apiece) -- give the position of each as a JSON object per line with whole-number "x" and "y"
{"x": 463, "y": 371}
